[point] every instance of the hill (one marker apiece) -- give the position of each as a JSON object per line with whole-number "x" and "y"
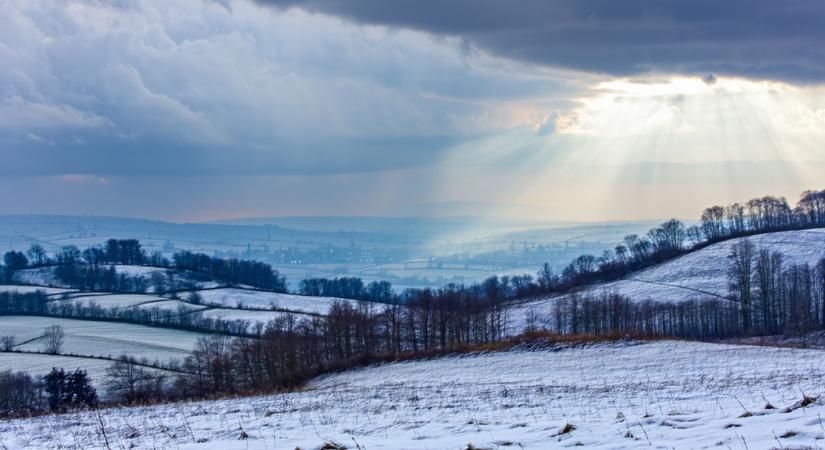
{"x": 101, "y": 339}
{"x": 664, "y": 394}
{"x": 698, "y": 275}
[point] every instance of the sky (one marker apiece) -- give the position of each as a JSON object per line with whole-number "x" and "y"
{"x": 190, "y": 110}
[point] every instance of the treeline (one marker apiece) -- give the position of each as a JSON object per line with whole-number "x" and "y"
{"x": 233, "y": 271}
{"x": 348, "y": 287}
{"x": 57, "y": 391}
{"x": 610, "y": 314}
{"x": 773, "y": 297}
{"x": 94, "y": 268}
{"x": 290, "y": 350}
{"x": 673, "y": 238}
{"x": 183, "y": 318}
{"x": 766, "y": 297}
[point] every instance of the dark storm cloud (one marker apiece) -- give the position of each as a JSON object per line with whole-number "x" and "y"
{"x": 753, "y": 38}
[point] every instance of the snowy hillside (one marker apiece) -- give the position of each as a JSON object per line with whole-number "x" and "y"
{"x": 107, "y": 339}
{"x": 122, "y": 301}
{"x": 704, "y": 273}
{"x": 695, "y": 276}
{"x": 40, "y": 364}
{"x": 252, "y": 299}
{"x": 659, "y": 395}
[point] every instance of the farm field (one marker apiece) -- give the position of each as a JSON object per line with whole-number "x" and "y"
{"x": 665, "y": 394}
{"x": 40, "y": 364}
{"x": 248, "y": 315}
{"x": 108, "y": 339}
{"x": 116, "y": 300}
{"x": 37, "y": 365}
{"x": 252, "y": 299}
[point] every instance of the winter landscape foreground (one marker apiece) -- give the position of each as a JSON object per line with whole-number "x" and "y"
{"x": 610, "y": 395}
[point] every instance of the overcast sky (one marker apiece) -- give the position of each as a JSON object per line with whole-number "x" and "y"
{"x": 577, "y": 109}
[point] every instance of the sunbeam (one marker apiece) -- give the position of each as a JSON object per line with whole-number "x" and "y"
{"x": 630, "y": 145}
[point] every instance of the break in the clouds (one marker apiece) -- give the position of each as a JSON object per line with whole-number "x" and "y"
{"x": 188, "y": 109}
{"x": 751, "y": 38}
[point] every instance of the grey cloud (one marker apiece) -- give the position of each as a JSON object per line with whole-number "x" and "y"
{"x": 191, "y": 87}
{"x": 752, "y": 38}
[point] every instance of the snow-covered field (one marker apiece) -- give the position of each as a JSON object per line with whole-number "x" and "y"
{"x": 128, "y": 301}
{"x": 40, "y": 364}
{"x": 108, "y": 339}
{"x": 615, "y": 396}
{"x": 234, "y": 298}
{"x": 251, "y": 316}
{"x": 695, "y": 276}
{"x": 37, "y": 365}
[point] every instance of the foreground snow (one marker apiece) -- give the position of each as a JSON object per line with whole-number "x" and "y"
{"x": 659, "y": 395}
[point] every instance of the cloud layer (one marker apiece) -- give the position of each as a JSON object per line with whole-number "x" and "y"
{"x": 198, "y": 87}
{"x": 751, "y": 38}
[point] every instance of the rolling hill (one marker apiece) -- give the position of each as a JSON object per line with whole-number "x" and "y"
{"x": 698, "y": 275}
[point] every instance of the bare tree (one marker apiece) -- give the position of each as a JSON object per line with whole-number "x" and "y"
{"x": 53, "y": 338}
{"x": 8, "y": 343}
{"x": 37, "y": 255}
{"x": 128, "y": 381}
{"x": 820, "y": 277}
{"x": 739, "y": 274}
{"x": 713, "y": 222}
{"x": 768, "y": 278}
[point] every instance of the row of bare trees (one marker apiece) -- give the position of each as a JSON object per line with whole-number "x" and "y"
{"x": 774, "y": 297}
{"x": 289, "y": 350}
{"x": 673, "y": 238}
{"x": 766, "y": 297}
{"x": 183, "y": 318}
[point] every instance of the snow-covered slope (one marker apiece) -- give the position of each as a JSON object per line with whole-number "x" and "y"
{"x": 703, "y": 273}
{"x": 253, "y": 299}
{"x": 695, "y": 276}
{"x": 253, "y": 317}
{"x": 108, "y": 339}
{"x": 105, "y": 300}
{"x": 615, "y": 396}
{"x": 41, "y": 364}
